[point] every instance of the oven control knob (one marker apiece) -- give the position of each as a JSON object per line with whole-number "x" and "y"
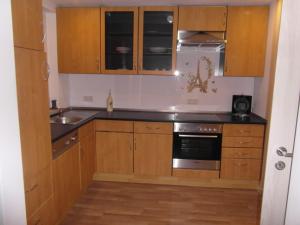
{"x": 200, "y": 129}
{"x": 209, "y": 129}
{"x": 205, "y": 129}
{"x": 215, "y": 129}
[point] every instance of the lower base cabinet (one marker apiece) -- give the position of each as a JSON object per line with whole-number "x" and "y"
{"x": 87, "y": 154}
{"x": 66, "y": 179}
{"x": 153, "y": 154}
{"x": 44, "y": 216}
{"x": 244, "y": 169}
{"x": 114, "y": 152}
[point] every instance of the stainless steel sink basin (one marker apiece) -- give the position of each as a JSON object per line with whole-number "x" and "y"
{"x": 66, "y": 119}
{"x": 73, "y": 116}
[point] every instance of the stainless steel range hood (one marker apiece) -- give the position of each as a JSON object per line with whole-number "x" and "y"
{"x": 204, "y": 43}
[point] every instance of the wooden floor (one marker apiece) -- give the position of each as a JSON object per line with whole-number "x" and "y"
{"x": 109, "y": 203}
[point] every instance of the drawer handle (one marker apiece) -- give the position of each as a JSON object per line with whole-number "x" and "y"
{"x": 244, "y": 131}
{"x": 245, "y": 142}
{"x": 242, "y": 164}
{"x": 32, "y": 188}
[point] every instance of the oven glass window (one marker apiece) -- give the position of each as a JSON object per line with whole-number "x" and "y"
{"x": 197, "y": 146}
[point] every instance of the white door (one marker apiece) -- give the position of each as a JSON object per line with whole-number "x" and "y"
{"x": 293, "y": 204}
{"x": 283, "y": 116}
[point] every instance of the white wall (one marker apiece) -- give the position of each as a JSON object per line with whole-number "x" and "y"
{"x": 58, "y": 85}
{"x": 12, "y": 200}
{"x": 155, "y": 92}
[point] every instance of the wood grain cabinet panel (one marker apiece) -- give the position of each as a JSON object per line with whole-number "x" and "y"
{"x": 246, "y": 35}
{"x": 242, "y": 153}
{"x": 153, "y": 128}
{"x": 114, "y": 152}
{"x": 78, "y": 40}
{"x": 87, "y": 139}
{"x": 32, "y": 90}
{"x": 66, "y": 179}
{"x": 28, "y": 24}
{"x": 38, "y": 189}
{"x": 114, "y": 126}
{"x": 202, "y": 18}
{"x": 153, "y": 154}
{"x": 249, "y": 142}
{"x": 44, "y": 216}
{"x": 246, "y": 169}
{"x": 243, "y": 130}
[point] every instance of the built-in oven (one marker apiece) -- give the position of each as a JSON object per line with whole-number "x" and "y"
{"x": 197, "y": 146}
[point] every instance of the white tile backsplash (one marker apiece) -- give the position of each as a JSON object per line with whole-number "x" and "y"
{"x": 154, "y": 92}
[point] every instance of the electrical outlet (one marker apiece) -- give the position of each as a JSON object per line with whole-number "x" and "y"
{"x": 192, "y": 101}
{"x": 88, "y": 98}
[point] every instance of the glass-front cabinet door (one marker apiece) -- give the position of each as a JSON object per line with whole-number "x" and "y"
{"x": 119, "y": 31}
{"x": 157, "y": 40}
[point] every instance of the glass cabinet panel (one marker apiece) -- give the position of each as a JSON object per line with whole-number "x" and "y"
{"x": 158, "y": 41}
{"x": 119, "y": 41}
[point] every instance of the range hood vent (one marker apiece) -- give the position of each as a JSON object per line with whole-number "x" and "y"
{"x": 201, "y": 37}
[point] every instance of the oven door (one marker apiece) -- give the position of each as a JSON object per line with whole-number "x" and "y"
{"x": 197, "y": 150}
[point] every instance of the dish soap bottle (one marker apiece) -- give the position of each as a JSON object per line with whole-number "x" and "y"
{"x": 109, "y": 102}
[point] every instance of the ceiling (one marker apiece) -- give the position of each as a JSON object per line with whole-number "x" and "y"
{"x": 153, "y": 2}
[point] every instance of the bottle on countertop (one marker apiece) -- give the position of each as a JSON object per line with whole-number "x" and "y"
{"x": 109, "y": 102}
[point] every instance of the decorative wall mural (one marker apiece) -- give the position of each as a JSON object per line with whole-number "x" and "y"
{"x": 196, "y": 69}
{"x": 196, "y": 81}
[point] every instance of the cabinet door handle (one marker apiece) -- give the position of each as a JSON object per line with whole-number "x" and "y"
{"x": 46, "y": 74}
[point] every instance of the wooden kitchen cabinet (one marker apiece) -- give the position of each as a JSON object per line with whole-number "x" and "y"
{"x": 119, "y": 33}
{"x": 157, "y": 40}
{"x": 33, "y": 108}
{"x": 66, "y": 179}
{"x": 202, "y": 18}
{"x": 44, "y": 216}
{"x": 32, "y": 90}
{"x": 87, "y": 140}
{"x": 78, "y": 40}
{"x": 242, "y": 149}
{"x": 114, "y": 152}
{"x": 246, "y": 34}
{"x": 153, "y": 150}
{"x": 28, "y": 24}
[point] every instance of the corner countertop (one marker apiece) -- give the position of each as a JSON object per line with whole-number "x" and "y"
{"x": 59, "y": 130}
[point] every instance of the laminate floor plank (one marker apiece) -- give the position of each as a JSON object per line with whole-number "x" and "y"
{"x": 113, "y": 203}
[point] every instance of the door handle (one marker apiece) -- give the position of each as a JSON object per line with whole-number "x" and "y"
{"x": 282, "y": 151}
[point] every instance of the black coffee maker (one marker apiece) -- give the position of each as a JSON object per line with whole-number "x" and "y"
{"x": 241, "y": 106}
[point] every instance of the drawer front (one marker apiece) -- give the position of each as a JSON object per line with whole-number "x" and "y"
{"x": 248, "y": 142}
{"x": 86, "y": 130}
{"x": 115, "y": 126}
{"x": 243, "y": 169}
{"x": 244, "y": 130}
{"x": 44, "y": 216}
{"x": 189, "y": 173}
{"x": 38, "y": 189}
{"x": 242, "y": 153}
{"x": 153, "y": 128}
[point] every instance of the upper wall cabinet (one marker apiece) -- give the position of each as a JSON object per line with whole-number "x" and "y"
{"x": 78, "y": 40}
{"x": 202, "y": 18}
{"x": 119, "y": 29}
{"x": 247, "y": 29}
{"x": 157, "y": 40}
{"x": 28, "y": 24}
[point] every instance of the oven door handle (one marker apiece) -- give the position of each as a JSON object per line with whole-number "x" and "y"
{"x": 198, "y": 136}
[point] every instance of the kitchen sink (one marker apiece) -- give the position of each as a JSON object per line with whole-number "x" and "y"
{"x": 66, "y": 119}
{"x": 72, "y": 116}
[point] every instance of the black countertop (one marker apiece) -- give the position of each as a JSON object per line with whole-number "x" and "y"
{"x": 59, "y": 130}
